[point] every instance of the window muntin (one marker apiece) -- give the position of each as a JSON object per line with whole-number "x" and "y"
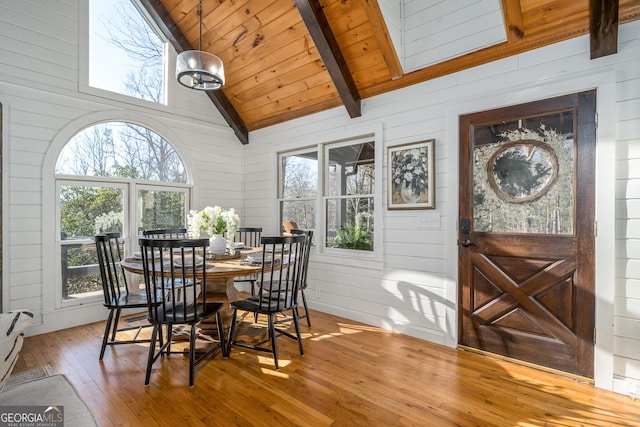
{"x": 125, "y": 54}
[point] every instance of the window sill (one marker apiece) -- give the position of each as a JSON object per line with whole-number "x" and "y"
{"x": 87, "y": 298}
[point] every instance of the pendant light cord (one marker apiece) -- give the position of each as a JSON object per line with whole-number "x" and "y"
{"x": 200, "y": 14}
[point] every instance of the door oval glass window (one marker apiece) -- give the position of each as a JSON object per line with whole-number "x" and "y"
{"x": 522, "y": 171}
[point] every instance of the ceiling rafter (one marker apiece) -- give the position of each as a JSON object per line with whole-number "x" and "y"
{"x": 381, "y": 33}
{"x": 603, "y": 27}
{"x": 323, "y": 38}
{"x": 513, "y": 19}
{"x": 170, "y": 30}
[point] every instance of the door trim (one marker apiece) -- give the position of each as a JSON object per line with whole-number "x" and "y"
{"x": 605, "y": 83}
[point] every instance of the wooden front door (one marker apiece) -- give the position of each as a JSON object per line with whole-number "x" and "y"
{"x": 526, "y": 232}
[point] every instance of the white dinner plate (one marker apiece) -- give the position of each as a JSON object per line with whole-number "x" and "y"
{"x": 177, "y": 250}
{"x": 278, "y": 248}
{"x": 138, "y": 255}
{"x": 257, "y": 258}
{"x": 188, "y": 262}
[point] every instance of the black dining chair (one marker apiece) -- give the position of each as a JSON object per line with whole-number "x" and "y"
{"x": 281, "y": 272}
{"x": 166, "y": 233}
{"x": 115, "y": 289}
{"x": 305, "y": 267}
{"x": 250, "y": 238}
{"x": 178, "y": 265}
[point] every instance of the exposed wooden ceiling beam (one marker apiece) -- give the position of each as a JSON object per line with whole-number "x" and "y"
{"x": 170, "y": 30}
{"x": 381, "y": 33}
{"x": 325, "y": 42}
{"x": 513, "y": 19}
{"x": 603, "y": 27}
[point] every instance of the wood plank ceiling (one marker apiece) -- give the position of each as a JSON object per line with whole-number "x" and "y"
{"x": 285, "y": 59}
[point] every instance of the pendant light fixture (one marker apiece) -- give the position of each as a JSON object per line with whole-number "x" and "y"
{"x": 199, "y": 70}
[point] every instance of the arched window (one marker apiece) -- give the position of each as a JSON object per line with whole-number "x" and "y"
{"x": 113, "y": 176}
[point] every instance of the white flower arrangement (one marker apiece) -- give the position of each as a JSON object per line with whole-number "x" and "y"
{"x": 214, "y": 220}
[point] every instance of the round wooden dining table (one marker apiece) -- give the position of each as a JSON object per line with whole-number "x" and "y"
{"x": 220, "y": 272}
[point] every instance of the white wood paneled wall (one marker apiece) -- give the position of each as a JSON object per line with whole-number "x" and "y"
{"x": 425, "y": 32}
{"x": 414, "y": 290}
{"x": 465, "y": 26}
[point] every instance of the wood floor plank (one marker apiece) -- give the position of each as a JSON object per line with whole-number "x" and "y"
{"x": 351, "y": 375}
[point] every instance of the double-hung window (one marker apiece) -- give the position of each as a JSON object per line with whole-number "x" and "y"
{"x": 330, "y": 188}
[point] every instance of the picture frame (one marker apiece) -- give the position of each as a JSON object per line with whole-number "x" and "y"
{"x": 411, "y": 175}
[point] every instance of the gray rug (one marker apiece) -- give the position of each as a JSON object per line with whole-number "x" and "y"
{"x": 50, "y": 391}
{"x": 26, "y": 376}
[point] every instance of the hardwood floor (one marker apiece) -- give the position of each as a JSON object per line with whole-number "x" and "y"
{"x": 351, "y": 374}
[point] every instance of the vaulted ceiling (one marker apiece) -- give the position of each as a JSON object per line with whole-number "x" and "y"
{"x": 285, "y": 59}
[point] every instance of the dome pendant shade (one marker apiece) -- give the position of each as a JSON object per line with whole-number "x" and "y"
{"x": 199, "y": 70}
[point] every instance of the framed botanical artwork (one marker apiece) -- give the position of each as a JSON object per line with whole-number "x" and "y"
{"x": 411, "y": 175}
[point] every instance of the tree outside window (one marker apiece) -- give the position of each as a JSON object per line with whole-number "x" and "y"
{"x": 299, "y": 188}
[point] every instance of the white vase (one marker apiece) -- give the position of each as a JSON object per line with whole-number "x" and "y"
{"x": 217, "y": 244}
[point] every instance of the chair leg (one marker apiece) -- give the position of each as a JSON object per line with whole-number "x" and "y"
{"x": 115, "y": 324}
{"x": 306, "y": 309}
{"x": 169, "y": 337}
{"x": 192, "y": 355}
{"x": 296, "y": 324}
{"x": 272, "y": 336}
{"x": 152, "y": 348}
{"x": 232, "y": 328}
{"x": 107, "y": 329}
{"x": 220, "y": 333}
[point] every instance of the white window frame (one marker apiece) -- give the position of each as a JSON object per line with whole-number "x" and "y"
{"x": 130, "y": 219}
{"x": 59, "y": 243}
{"x": 280, "y": 192}
{"x": 170, "y": 56}
{"x": 341, "y": 255}
{"x": 325, "y": 197}
{"x": 154, "y": 186}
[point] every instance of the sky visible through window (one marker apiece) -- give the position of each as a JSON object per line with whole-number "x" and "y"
{"x": 109, "y": 65}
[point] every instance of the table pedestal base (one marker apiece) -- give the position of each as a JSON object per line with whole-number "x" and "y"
{"x": 224, "y": 291}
